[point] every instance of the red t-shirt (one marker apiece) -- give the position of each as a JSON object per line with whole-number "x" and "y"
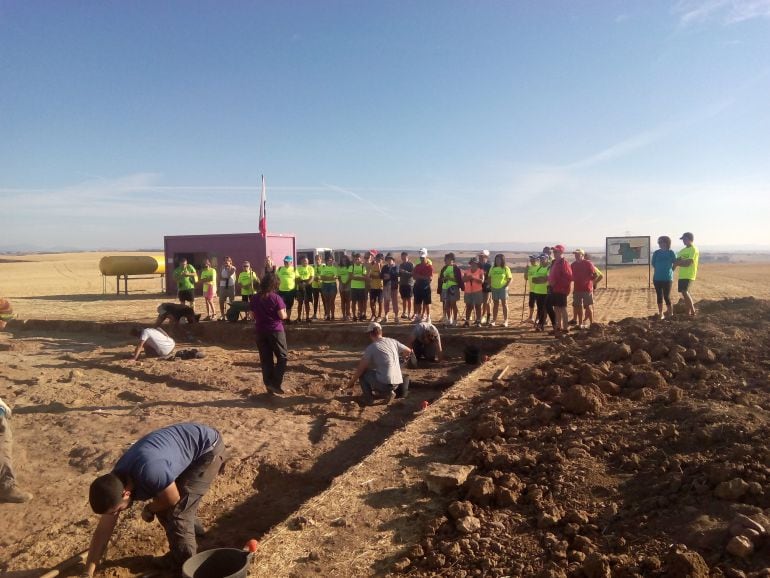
{"x": 422, "y": 270}
{"x": 560, "y": 276}
{"x": 583, "y": 276}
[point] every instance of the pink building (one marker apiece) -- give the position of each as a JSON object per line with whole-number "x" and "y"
{"x": 240, "y": 246}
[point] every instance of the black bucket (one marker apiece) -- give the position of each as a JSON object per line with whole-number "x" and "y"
{"x": 218, "y": 563}
{"x": 472, "y": 355}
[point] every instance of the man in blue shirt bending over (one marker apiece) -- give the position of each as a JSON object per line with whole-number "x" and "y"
{"x": 170, "y": 468}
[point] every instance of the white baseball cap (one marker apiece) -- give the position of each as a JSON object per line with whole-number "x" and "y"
{"x": 423, "y": 252}
{"x": 485, "y": 252}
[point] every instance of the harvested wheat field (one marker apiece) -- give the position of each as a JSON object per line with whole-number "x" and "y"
{"x": 636, "y": 448}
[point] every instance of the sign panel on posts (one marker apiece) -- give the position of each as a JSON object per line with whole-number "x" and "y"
{"x": 625, "y": 251}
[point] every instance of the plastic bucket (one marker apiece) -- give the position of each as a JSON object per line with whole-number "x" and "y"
{"x": 218, "y": 563}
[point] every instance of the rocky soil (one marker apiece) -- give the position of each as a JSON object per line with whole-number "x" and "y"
{"x": 638, "y": 449}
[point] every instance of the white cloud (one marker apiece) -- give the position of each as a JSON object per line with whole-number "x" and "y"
{"x": 692, "y": 12}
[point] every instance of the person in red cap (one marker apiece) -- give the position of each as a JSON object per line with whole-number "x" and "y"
{"x": 560, "y": 281}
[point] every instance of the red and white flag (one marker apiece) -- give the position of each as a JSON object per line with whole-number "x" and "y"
{"x": 263, "y": 210}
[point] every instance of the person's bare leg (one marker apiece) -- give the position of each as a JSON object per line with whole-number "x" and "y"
{"x": 689, "y": 302}
{"x": 589, "y": 315}
{"x": 577, "y": 312}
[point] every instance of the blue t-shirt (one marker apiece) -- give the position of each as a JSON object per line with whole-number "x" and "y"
{"x": 663, "y": 264}
{"x": 160, "y": 457}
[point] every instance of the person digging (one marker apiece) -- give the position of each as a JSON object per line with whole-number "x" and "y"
{"x": 171, "y": 469}
{"x": 379, "y": 371}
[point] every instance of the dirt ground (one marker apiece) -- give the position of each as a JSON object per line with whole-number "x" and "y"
{"x": 79, "y": 402}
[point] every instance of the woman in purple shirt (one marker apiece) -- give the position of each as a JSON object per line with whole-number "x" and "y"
{"x": 269, "y": 313}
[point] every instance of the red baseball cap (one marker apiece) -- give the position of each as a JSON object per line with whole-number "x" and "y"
{"x": 558, "y": 248}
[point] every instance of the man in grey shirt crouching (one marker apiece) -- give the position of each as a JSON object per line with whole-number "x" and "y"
{"x": 379, "y": 370}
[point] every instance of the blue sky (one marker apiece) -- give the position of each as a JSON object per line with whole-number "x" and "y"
{"x": 384, "y": 123}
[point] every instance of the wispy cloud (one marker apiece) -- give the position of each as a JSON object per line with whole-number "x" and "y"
{"x": 722, "y": 11}
{"x": 358, "y": 197}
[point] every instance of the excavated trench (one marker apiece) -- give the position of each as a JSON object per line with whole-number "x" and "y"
{"x": 266, "y": 491}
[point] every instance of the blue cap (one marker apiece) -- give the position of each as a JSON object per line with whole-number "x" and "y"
{"x": 288, "y": 258}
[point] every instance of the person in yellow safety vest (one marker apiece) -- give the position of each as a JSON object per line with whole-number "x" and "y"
{"x": 186, "y": 277}
{"x": 248, "y": 283}
{"x": 358, "y": 275}
{"x": 316, "y": 285}
{"x": 209, "y": 280}
{"x": 529, "y": 272}
{"x": 375, "y": 288}
{"x": 500, "y": 277}
{"x": 305, "y": 276}
{"x": 287, "y": 284}
{"x": 538, "y": 282}
{"x": 328, "y": 276}
{"x": 450, "y": 283}
{"x": 344, "y": 272}
{"x": 687, "y": 261}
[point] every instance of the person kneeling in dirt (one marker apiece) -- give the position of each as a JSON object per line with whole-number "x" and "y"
{"x": 9, "y": 492}
{"x": 176, "y": 313}
{"x": 379, "y": 370}
{"x": 172, "y": 469}
{"x": 154, "y": 341}
{"x": 425, "y": 342}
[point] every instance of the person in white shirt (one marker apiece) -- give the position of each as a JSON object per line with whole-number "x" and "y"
{"x": 226, "y": 286}
{"x": 154, "y": 342}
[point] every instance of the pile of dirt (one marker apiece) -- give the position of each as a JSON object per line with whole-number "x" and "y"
{"x": 638, "y": 449}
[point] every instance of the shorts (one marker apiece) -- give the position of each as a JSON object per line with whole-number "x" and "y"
{"x": 329, "y": 289}
{"x": 684, "y": 285}
{"x": 422, "y": 296}
{"x": 226, "y": 293}
{"x": 450, "y": 294}
{"x": 500, "y": 294}
{"x": 405, "y": 291}
{"x": 245, "y": 297}
{"x": 357, "y": 294}
{"x": 304, "y": 293}
{"x": 390, "y": 294}
{"x": 375, "y": 294}
{"x": 476, "y": 298}
{"x": 186, "y": 295}
{"x": 582, "y": 299}
{"x": 557, "y": 299}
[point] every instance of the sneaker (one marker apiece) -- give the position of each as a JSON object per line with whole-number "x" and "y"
{"x": 367, "y": 398}
{"x": 492, "y": 324}
{"x": 275, "y": 390}
{"x": 505, "y": 323}
{"x": 572, "y": 322}
{"x": 477, "y": 324}
{"x": 315, "y": 317}
{"x": 14, "y": 495}
{"x": 403, "y": 316}
{"x": 396, "y": 320}
{"x": 466, "y": 324}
